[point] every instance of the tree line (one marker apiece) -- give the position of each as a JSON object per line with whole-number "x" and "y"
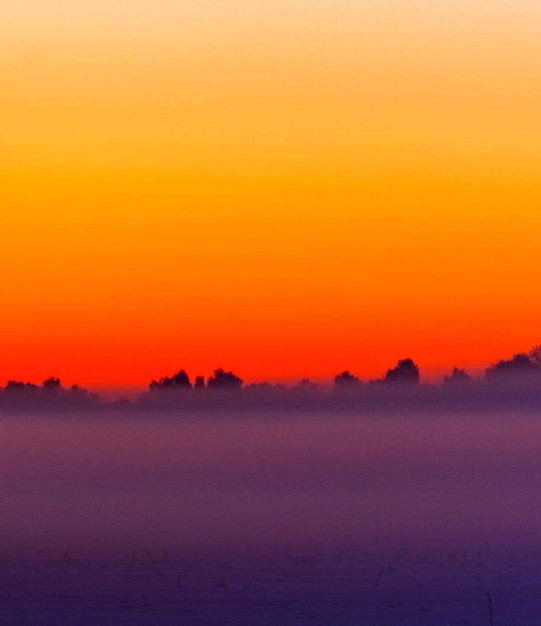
{"x": 521, "y": 369}
{"x": 522, "y": 366}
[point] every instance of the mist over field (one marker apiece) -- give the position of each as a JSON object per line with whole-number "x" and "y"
{"x": 264, "y": 481}
{"x": 290, "y": 518}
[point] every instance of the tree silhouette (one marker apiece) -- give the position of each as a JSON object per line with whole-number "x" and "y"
{"x": 535, "y": 355}
{"x": 52, "y": 384}
{"x": 19, "y": 386}
{"x": 306, "y": 385}
{"x": 79, "y": 395}
{"x": 519, "y": 366}
{"x": 178, "y": 381}
{"x": 199, "y": 382}
{"x": 50, "y": 394}
{"x": 405, "y": 372}
{"x": 457, "y": 377}
{"x": 224, "y": 380}
{"x": 346, "y": 380}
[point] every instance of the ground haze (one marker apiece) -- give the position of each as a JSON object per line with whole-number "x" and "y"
{"x": 335, "y": 516}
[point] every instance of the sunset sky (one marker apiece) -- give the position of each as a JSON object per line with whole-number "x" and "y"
{"x": 284, "y": 188}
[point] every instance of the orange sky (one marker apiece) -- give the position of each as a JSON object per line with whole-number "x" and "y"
{"x": 283, "y": 188}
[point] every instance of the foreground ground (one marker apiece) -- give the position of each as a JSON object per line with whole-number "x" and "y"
{"x": 159, "y": 587}
{"x": 270, "y": 520}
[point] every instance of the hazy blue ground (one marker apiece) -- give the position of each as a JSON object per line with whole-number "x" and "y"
{"x": 266, "y": 519}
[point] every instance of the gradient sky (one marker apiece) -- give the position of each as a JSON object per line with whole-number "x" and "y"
{"x": 285, "y": 188}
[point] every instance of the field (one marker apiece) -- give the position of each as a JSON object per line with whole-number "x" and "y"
{"x": 292, "y": 519}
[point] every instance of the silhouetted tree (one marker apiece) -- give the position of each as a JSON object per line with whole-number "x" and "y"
{"x": 306, "y": 385}
{"x": 520, "y": 365}
{"x": 457, "y": 376}
{"x": 50, "y": 394}
{"x": 81, "y": 396}
{"x": 346, "y": 380}
{"x": 224, "y": 380}
{"x": 535, "y": 355}
{"x": 52, "y": 384}
{"x": 180, "y": 380}
{"x": 406, "y": 372}
{"x": 199, "y": 382}
{"x": 19, "y": 386}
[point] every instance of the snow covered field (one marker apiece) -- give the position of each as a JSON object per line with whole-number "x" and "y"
{"x": 264, "y": 519}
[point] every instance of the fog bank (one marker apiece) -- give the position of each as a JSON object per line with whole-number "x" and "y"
{"x": 264, "y": 482}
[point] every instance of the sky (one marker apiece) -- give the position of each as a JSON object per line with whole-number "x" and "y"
{"x": 282, "y": 188}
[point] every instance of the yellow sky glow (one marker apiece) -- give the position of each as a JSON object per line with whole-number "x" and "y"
{"x": 204, "y": 183}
